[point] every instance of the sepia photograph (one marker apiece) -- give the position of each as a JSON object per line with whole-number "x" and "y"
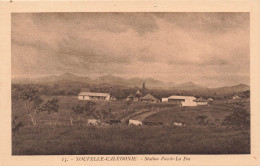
{"x": 130, "y": 83}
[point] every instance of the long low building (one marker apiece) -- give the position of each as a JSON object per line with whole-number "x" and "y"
{"x": 93, "y": 96}
{"x": 183, "y": 100}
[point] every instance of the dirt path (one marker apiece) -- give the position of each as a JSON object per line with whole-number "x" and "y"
{"x": 130, "y": 116}
{"x": 144, "y": 115}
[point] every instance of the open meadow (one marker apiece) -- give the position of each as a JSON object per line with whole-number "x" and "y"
{"x": 203, "y": 132}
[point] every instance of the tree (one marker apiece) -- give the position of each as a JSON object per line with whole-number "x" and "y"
{"x": 51, "y": 107}
{"x": 202, "y": 119}
{"x": 78, "y": 109}
{"x": 104, "y": 114}
{"x": 88, "y": 110}
{"x": 16, "y": 126}
{"x": 32, "y": 101}
{"x": 34, "y": 104}
{"x": 107, "y": 114}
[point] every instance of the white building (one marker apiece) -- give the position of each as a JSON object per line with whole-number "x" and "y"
{"x": 183, "y": 100}
{"x": 93, "y": 96}
{"x": 164, "y": 99}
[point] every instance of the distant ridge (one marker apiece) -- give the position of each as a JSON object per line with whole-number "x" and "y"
{"x": 110, "y": 79}
{"x": 188, "y": 86}
{"x": 235, "y": 88}
{"x": 131, "y": 82}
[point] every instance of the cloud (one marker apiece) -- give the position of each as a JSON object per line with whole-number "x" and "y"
{"x": 211, "y": 22}
{"x": 111, "y": 22}
{"x": 176, "y": 47}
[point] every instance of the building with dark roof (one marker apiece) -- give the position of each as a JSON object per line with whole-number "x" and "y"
{"x": 149, "y": 98}
{"x": 130, "y": 97}
{"x": 201, "y": 101}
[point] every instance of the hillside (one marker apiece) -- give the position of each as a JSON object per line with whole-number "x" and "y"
{"x": 188, "y": 86}
{"x": 72, "y": 80}
{"x": 108, "y": 80}
{"x": 232, "y": 89}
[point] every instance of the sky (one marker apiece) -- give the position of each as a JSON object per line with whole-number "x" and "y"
{"x": 210, "y": 49}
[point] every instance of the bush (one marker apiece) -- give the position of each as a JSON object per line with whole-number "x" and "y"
{"x": 89, "y": 111}
{"x": 201, "y": 120}
{"x": 239, "y": 118}
{"x": 88, "y": 108}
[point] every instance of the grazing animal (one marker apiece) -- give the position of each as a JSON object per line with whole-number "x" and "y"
{"x": 167, "y": 124}
{"x": 178, "y": 124}
{"x": 93, "y": 122}
{"x": 149, "y": 123}
{"x": 135, "y": 122}
{"x": 113, "y": 122}
{"x": 104, "y": 124}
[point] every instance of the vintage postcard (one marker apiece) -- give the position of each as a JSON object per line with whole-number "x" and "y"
{"x": 118, "y": 85}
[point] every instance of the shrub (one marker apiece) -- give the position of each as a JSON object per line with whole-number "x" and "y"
{"x": 89, "y": 111}
{"x": 239, "y": 118}
{"x": 201, "y": 120}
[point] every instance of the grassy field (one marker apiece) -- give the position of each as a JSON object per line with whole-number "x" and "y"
{"x": 122, "y": 109}
{"x": 130, "y": 140}
{"x": 194, "y": 138}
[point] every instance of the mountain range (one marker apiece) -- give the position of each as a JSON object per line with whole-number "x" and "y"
{"x": 131, "y": 82}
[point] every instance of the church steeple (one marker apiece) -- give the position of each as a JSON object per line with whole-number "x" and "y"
{"x": 144, "y": 90}
{"x": 143, "y": 86}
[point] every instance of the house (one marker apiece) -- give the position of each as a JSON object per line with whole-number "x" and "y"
{"x": 182, "y": 100}
{"x": 165, "y": 99}
{"x": 93, "y": 96}
{"x": 210, "y": 100}
{"x": 149, "y": 98}
{"x": 130, "y": 97}
{"x": 138, "y": 94}
{"x": 136, "y": 99}
{"x": 235, "y": 97}
{"x": 201, "y": 101}
{"x": 112, "y": 98}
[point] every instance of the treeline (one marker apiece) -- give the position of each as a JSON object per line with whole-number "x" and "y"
{"x": 118, "y": 92}
{"x": 69, "y": 90}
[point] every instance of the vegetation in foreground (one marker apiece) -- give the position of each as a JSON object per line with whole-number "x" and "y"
{"x": 79, "y": 140}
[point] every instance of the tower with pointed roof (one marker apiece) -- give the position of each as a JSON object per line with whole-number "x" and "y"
{"x": 143, "y": 90}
